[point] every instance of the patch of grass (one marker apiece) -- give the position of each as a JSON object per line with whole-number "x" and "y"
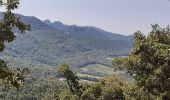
{"x": 89, "y": 76}
{"x": 97, "y": 70}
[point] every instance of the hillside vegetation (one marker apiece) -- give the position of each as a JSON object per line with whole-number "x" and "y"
{"x": 79, "y": 46}
{"x": 32, "y": 68}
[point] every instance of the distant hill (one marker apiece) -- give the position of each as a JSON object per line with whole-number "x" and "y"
{"x": 55, "y": 43}
{"x": 86, "y": 31}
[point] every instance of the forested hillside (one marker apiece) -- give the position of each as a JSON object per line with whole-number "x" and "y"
{"x": 50, "y": 44}
{"x": 44, "y": 60}
{"x": 88, "y": 50}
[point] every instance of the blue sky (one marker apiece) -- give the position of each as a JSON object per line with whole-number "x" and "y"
{"x": 117, "y": 16}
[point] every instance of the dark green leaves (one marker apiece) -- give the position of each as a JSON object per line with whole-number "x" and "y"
{"x": 7, "y": 24}
{"x": 150, "y": 61}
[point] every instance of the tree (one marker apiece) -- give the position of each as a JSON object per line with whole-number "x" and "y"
{"x": 111, "y": 88}
{"x": 92, "y": 92}
{"x": 21, "y": 75}
{"x": 7, "y": 24}
{"x": 66, "y": 95}
{"x": 72, "y": 78}
{"x": 149, "y": 62}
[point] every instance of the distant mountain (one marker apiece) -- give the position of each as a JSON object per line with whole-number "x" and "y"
{"x": 55, "y": 43}
{"x": 86, "y": 31}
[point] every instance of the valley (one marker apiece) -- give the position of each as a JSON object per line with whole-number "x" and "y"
{"x": 50, "y": 44}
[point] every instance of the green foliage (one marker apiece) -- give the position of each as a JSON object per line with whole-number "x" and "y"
{"x": 8, "y": 22}
{"x": 110, "y": 88}
{"x": 149, "y": 62}
{"x": 72, "y": 78}
{"x": 92, "y": 92}
{"x": 113, "y": 88}
{"x": 67, "y": 96}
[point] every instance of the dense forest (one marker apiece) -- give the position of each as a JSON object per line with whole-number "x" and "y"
{"x": 142, "y": 75}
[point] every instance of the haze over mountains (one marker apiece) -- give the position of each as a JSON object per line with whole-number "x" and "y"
{"x": 53, "y": 43}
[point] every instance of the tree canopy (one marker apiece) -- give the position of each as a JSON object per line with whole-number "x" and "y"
{"x": 72, "y": 78}
{"x": 110, "y": 88}
{"x": 7, "y": 24}
{"x": 149, "y": 62}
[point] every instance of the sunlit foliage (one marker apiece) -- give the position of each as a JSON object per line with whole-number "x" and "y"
{"x": 149, "y": 62}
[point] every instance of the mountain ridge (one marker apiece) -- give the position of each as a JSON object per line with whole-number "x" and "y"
{"x": 79, "y": 46}
{"x": 60, "y": 24}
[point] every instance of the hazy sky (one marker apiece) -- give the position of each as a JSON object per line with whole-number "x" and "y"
{"x": 118, "y": 16}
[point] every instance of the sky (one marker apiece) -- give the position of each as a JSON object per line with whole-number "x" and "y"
{"x": 117, "y": 16}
